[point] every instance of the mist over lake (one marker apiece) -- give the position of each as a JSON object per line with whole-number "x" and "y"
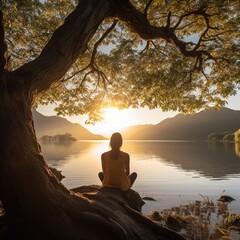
{"x": 172, "y": 172}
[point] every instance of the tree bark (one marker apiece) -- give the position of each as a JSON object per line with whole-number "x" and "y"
{"x": 37, "y": 205}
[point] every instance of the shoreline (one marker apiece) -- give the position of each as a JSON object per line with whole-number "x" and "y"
{"x": 167, "y": 202}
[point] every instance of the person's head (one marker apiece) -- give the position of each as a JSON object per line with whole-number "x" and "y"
{"x": 116, "y": 141}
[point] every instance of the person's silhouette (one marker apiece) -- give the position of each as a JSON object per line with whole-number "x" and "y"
{"x": 116, "y": 166}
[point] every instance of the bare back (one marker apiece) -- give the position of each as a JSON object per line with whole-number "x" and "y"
{"x": 116, "y": 171}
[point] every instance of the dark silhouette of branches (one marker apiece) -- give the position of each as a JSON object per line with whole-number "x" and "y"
{"x": 140, "y": 24}
{"x": 147, "y": 7}
{"x": 92, "y": 66}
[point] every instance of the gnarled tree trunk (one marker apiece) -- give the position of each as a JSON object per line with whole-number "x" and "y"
{"x": 37, "y": 205}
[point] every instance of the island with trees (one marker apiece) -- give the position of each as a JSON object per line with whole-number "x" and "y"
{"x": 87, "y": 55}
{"x": 224, "y": 137}
{"x": 67, "y": 137}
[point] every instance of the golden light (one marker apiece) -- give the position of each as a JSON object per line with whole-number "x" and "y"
{"x": 114, "y": 120}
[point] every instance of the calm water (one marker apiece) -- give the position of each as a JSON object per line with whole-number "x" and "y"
{"x": 173, "y": 173}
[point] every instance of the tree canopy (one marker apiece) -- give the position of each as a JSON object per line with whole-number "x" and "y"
{"x": 169, "y": 54}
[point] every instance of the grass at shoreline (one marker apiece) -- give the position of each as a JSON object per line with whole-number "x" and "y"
{"x": 201, "y": 220}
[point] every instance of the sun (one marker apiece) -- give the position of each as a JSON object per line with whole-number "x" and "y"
{"x": 114, "y": 120}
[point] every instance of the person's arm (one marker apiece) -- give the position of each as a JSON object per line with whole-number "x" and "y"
{"x": 103, "y": 163}
{"x": 127, "y": 164}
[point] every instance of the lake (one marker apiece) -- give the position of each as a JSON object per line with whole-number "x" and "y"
{"x": 172, "y": 172}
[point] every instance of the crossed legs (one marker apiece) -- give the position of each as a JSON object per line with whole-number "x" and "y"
{"x": 132, "y": 176}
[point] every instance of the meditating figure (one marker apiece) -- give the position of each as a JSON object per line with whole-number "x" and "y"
{"x": 116, "y": 166}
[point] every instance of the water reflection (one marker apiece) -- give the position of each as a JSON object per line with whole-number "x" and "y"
{"x": 173, "y": 173}
{"x": 57, "y": 154}
{"x": 215, "y": 160}
{"x": 212, "y": 160}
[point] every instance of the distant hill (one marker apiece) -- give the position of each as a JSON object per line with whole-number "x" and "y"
{"x": 52, "y": 125}
{"x": 135, "y": 130}
{"x": 189, "y": 127}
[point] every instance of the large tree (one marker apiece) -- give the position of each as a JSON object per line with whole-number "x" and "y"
{"x": 173, "y": 54}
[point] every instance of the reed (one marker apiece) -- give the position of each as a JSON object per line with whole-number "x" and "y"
{"x": 201, "y": 220}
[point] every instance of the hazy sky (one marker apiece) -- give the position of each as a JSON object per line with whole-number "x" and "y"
{"x": 115, "y": 120}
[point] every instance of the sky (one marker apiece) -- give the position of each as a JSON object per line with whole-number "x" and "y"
{"x": 117, "y": 120}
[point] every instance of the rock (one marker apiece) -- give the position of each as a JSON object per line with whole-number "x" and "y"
{"x": 226, "y": 198}
{"x": 149, "y": 199}
{"x": 124, "y": 208}
{"x": 57, "y": 173}
{"x": 104, "y": 194}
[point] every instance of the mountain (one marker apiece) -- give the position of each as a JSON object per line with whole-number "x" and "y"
{"x": 133, "y": 130}
{"x": 190, "y": 127}
{"x": 52, "y": 125}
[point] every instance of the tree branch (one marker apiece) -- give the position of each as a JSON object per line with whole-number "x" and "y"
{"x": 67, "y": 43}
{"x": 139, "y": 24}
{"x": 169, "y": 20}
{"x": 101, "y": 39}
{"x": 147, "y": 7}
{"x": 146, "y": 47}
{"x": 157, "y": 48}
{"x": 201, "y": 11}
{"x": 91, "y": 65}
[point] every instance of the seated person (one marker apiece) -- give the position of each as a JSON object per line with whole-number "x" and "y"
{"x": 115, "y": 166}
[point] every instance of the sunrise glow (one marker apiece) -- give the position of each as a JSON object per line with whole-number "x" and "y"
{"x": 114, "y": 120}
